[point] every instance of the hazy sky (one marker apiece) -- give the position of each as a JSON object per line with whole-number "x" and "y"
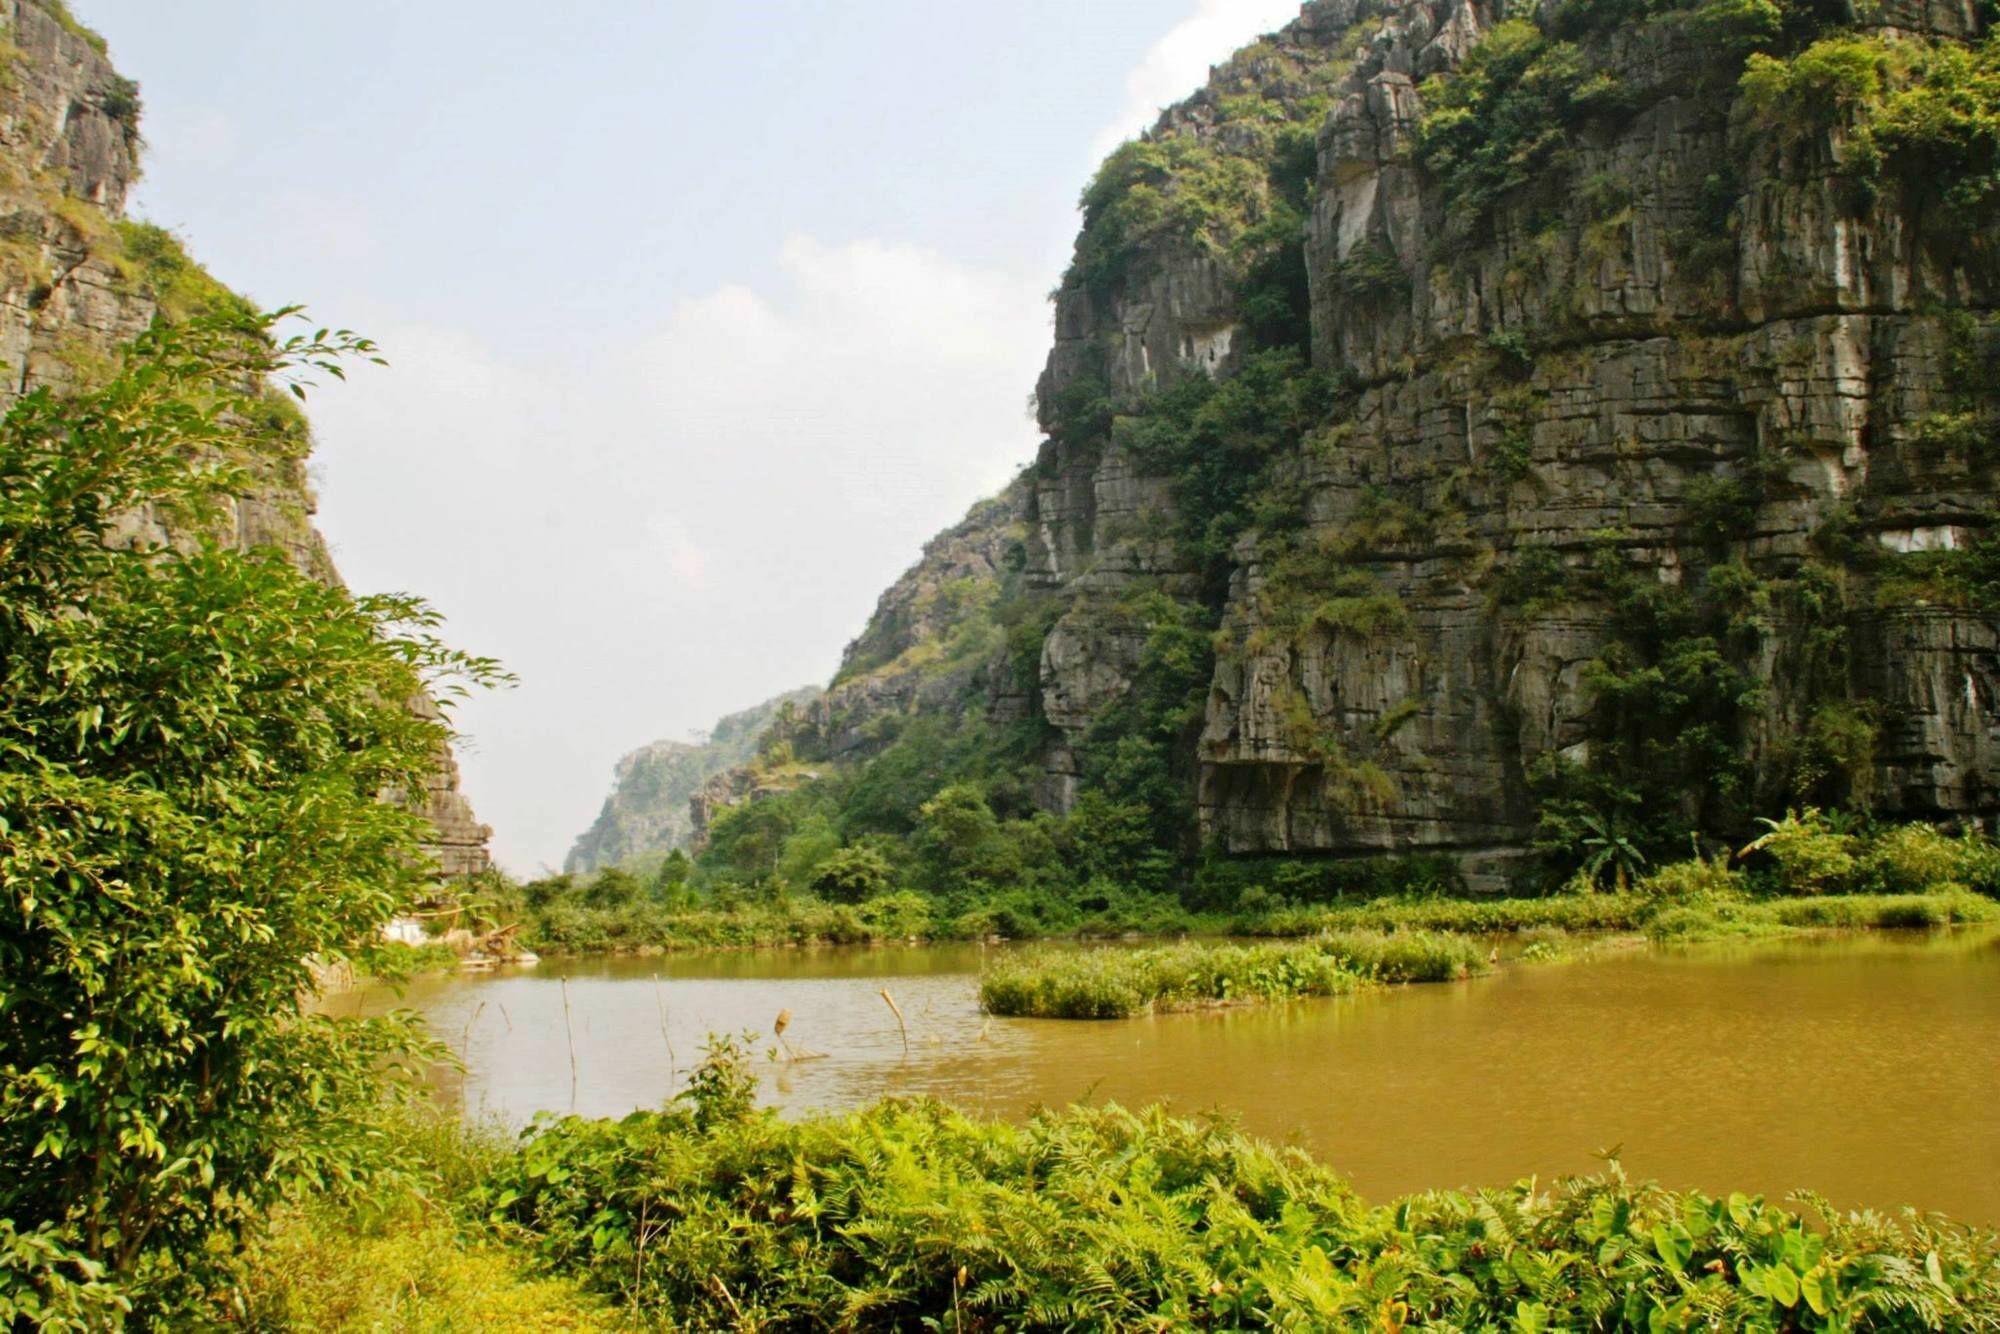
{"x": 703, "y": 315}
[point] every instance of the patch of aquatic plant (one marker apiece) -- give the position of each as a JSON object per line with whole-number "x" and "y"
{"x": 910, "y": 1215}
{"x": 1118, "y": 983}
{"x": 1546, "y": 945}
{"x": 1404, "y": 956}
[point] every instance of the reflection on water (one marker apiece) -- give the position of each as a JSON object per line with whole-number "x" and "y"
{"x": 1863, "y": 1067}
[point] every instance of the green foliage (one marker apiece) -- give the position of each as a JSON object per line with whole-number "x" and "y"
{"x": 1217, "y": 440}
{"x": 1139, "y": 814}
{"x": 1811, "y": 854}
{"x": 1504, "y": 119}
{"x": 853, "y": 875}
{"x": 1923, "y": 115}
{"x": 1535, "y": 578}
{"x": 193, "y": 744}
{"x": 1699, "y": 879}
{"x": 751, "y": 835}
{"x": 1372, "y": 271}
{"x": 1176, "y": 185}
{"x": 1822, "y": 86}
{"x": 399, "y": 1256}
{"x": 909, "y": 1215}
{"x": 1274, "y": 294}
{"x": 558, "y": 920}
{"x": 1737, "y": 25}
{"x": 722, "y": 1091}
{"x": 670, "y": 881}
{"x": 1673, "y": 691}
{"x": 1237, "y": 190}
{"x": 119, "y": 100}
{"x": 59, "y": 10}
{"x": 1608, "y": 852}
{"x": 1966, "y": 576}
{"x": 1230, "y": 884}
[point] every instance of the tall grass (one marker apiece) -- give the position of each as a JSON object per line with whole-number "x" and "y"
{"x": 404, "y": 1256}
{"x": 1116, "y": 984}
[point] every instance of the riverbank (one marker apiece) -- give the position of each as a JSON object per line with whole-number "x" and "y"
{"x": 1805, "y": 873}
{"x": 908, "y": 1214}
{"x": 1535, "y": 929}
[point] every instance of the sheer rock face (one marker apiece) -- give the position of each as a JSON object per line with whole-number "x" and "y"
{"x": 68, "y": 156}
{"x": 1821, "y": 348}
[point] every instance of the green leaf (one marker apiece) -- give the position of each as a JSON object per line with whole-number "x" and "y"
{"x": 1816, "y": 1285}
{"x": 1781, "y": 1285}
{"x": 1674, "y": 1245}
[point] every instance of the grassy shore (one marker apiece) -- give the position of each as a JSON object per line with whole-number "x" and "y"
{"x": 910, "y": 1215}
{"x": 1733, "y": 911}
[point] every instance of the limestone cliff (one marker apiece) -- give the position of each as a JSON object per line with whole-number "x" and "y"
{"x": 1601, "y": 416}
{"x": 77, "y": 279}
{"x": 648, "y": 810}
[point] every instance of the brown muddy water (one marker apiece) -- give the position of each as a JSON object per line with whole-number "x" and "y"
{"x": 1865, "y": 1067}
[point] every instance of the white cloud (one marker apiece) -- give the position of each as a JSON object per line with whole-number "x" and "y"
{"x": 655, "y": 534}
{"x": 1179, "y": 62}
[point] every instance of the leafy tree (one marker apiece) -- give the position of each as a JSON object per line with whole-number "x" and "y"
{"x": 853, "y": 875}
{"x": 670, "y": 882}
{"x": 611, "y": 887}
{"x": 747, "y": 840}
{"x": 194, "y": 742}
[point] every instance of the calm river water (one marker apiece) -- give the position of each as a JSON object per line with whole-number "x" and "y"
{"x": 1864, "y": 1067}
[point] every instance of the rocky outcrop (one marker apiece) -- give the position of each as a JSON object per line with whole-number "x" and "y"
{"x": 933, "y": 647}
{"x": 651, "y": 808}
{"x": 1687, "y": 356}
{"x": 76, "y": 281}
{"x": 930, "y": 646}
